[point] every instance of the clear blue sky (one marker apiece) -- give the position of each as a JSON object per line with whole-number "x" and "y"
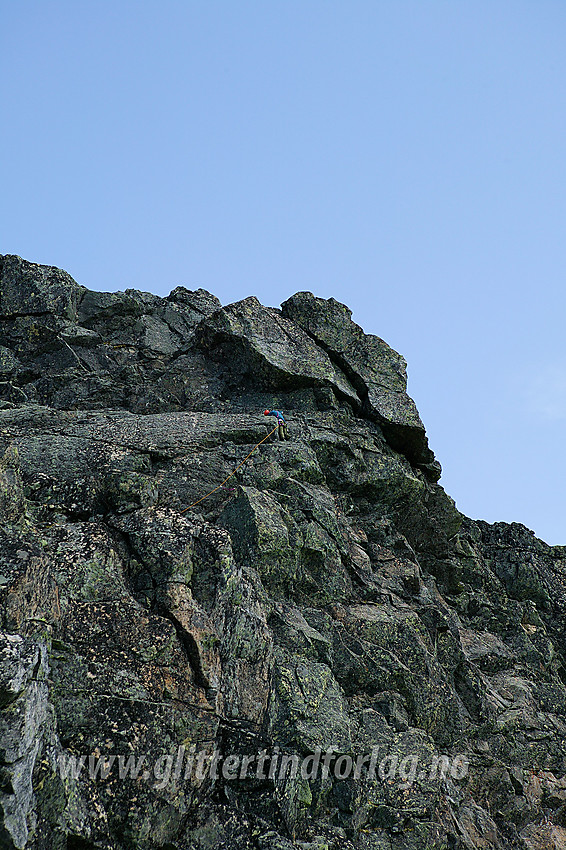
{"x": 407, "y": 157}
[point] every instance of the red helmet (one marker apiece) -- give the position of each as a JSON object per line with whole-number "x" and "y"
{"x": 266, "y": 412}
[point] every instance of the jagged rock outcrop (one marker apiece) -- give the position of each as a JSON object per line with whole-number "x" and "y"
{"x": 327, "y": 608}
{"x": 378, "y": 372}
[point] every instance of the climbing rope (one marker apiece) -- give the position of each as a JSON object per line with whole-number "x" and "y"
{"x": 63, "y": 433}
{"x": 232, "y": 473}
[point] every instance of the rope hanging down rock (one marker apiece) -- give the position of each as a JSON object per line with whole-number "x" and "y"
{"x": 232, "y": 473}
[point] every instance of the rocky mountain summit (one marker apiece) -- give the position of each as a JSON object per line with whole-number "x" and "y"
{"x": 322, "y": 654}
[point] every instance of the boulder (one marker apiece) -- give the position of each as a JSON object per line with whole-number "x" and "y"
{"x": 32, "y": 289}
{"x": 262, "y": 347}
{"x": 378, "y": 373}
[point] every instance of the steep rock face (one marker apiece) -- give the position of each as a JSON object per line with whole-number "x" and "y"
{"x": 379, "y": 372}
{"x": 326, "y": 608}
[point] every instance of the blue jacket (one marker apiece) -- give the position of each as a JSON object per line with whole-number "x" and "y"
{"x": 280, "y": 417}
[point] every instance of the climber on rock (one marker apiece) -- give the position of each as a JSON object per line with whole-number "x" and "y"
{"x": 282, "y": 430}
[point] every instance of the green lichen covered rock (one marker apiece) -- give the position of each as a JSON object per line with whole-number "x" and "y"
{"x": 377, "y": 371}
{"x": 211, "y": 639}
